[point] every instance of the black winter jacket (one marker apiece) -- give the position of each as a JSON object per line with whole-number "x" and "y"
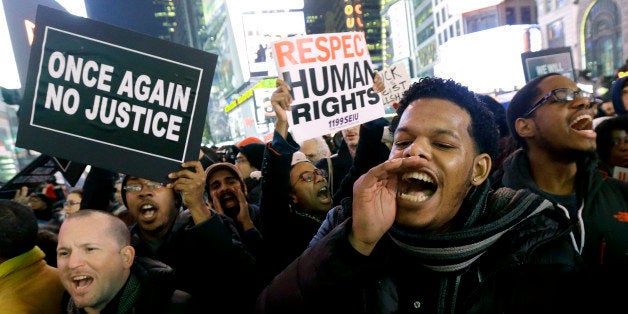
{"x": 209, "y": 260}
{"x": 286, "y": 231}
{"x": 149, "y": 289}
{"x": 512, "y": 255}
{"x": 602, "y": 201}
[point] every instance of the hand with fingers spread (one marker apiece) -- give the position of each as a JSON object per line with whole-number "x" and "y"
{"x": 374, "y": 205}
{"x": 190, "y": 182}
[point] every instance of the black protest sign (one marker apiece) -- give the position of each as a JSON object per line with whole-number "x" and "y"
{"x": 39, "y": 172}
{"x": 538, "y": 63}
{"x": 113, "y": 98}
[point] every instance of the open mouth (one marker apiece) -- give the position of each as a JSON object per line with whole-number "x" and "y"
{"x": 420, "y": 187}
{"x": 148, "y": 211}
{"x": 82, "y": 282}
{"x": 324, "y": 194}
{"x": 226, "y": 198}
{"x": 583, "y": 124}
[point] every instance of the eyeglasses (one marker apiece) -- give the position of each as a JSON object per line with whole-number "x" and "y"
{"x": 71, "y": 203}
{"x": 309, "y": 176}
{"x": 563, "y": 95}
{"x": 138, "y": 187}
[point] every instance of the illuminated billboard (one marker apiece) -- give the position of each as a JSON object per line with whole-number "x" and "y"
{"x": 488, "y": 60}
{"x": 260, "y": 30}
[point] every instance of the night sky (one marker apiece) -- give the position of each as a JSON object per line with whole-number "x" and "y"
{"x": 134, "y": 15}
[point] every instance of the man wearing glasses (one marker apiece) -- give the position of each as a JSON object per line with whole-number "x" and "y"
{"x": 72, "y": 202}
{"x": 176, "y": 226}
{"x": 551, "y": 119}
{"x": 295, "y": 195}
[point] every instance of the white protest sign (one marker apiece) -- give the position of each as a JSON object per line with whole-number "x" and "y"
{"x": 396, "y": 81}
{"x": 331, "y": 77}
{"x": 620, "y": 173}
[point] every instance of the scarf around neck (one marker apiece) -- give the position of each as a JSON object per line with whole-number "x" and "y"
{"x": 489, "y": 215}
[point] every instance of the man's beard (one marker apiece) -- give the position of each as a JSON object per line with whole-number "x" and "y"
{"x": 565, "y": 154}
{"x": 232, "y": 211}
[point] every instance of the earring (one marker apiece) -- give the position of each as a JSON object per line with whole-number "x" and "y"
{"x": 475, "y": 179}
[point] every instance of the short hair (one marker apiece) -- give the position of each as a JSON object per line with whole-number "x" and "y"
{"x": 604, "y": 129}
{"x": 521, "y": 103}
{"x": 78, "y": 191}
{"x": 499, "y": 113}
{"x": 43, "y": 197}
{"x": 483, "y": 129}
{"x": 116, "y": 227}
{"x": 47, "y": 241}
{"x": 18, "y": 229}
{"x": 321, "y": 145}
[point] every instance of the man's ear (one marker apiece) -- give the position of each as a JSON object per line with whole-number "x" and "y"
{"x": 128, "y": 254}
{"x": 293, "y": 197}
{"x": 481, "y": 169}
{"x": 524, "y": 127}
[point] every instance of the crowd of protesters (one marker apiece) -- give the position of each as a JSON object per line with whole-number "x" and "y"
{"x": 473, "y": 208}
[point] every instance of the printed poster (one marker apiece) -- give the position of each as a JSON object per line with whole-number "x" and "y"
{"x": 113, "y": 98}
{"x": 331, "y": 76}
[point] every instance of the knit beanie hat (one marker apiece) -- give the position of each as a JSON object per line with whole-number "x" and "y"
{"x": 254, "y": 152}
{"x": 616, "y": 88}
{"x": 249, "y": 140}
{"x": 223, "y": 166}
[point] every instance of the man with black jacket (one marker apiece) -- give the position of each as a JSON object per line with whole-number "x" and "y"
{"x": 176, "y": 226}
{"x": 551, "y": 119}
{"x": 424, "y": 232}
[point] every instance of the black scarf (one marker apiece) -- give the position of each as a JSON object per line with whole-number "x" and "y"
{"x": 486, "y": 216}
{"x": 123, "y": 302}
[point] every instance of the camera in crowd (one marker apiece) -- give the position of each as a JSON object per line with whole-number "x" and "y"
{"x": 227, "y": 153}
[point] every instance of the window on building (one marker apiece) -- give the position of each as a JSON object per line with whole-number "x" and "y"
{"x": 555, "y": 34}
{"x": 511, "y": 16}
{"x": 472, "y": 25}
{"x": 437, "y": 19}
{"x": 458, "y": 30}
{"x": 427, "y": 55}
{"x": 442, "y": 15}
{"x": 526, "y": 15}
{"x": 445, "y": 38}
{"x": 549, "y": 6}
{"x": 423, "y": 15}
{"x": 451, "y": 31}
{"x": 481, "y": 22}
{"x": 425, "y": 34}
{"x": 560, "y": 3}
{"x": 440, "y": 39}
